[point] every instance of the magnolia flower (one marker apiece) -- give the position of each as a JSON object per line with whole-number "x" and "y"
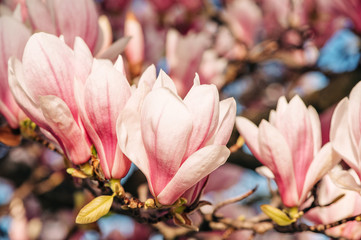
{"x": 184, "y": 64}
{"x": 135, "y": 48}
{"x": 14, "y": 36}
{"x": 345, "y": 135}
{"x": 244, "y": 18}
{"x": 100, "y": 101}
{"x": 42, "y": 85}
{"x": 290, "y": 146}
{"x": 72, "y": 19}
{"x": 347, "y": 206}
{"x": 67, "y": 18}
{"x": 176, "y": 143}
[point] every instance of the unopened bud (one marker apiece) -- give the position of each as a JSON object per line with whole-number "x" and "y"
{"x": 76, "y": 173}
{"x": 116, "y": 187}
{"x": 87, "y": 169}
{"x": 179, "y": 218}
{"x": 277, "y": 215}
{"x": 150, "y": 203}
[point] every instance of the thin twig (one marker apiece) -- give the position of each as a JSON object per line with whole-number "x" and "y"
{"x": 233, "y": 200}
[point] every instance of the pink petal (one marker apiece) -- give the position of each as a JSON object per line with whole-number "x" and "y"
{"x": 164, "y": 81}
{"x": 83, "y": 60}
{"x": 105, "y": 36}
{"x": 149, "y": 76}
{"x": 277, "y": 156}
{"x": 194, "y": 169}
{"x": 354, "y": 115}
{"x": 76, "y": 18}
{"x": 280, "y": 111}
{"x": 298, "y": 132}
{"x": 265, "y": 171}
{"x": 121, "y": 164}
{"x": 203, "y": 103}
{"x": 135, "y": 48}
{"x": 316, "y": 129}
{"x": 65, "y": 129}
{"x": 166, "y": 127}
{"x": 27, "y": 104}
{"x": 40, "y": 17}
{"x": 119, "y": 65}
{"x": 272, "y": 119}
{"x": 227, "y": 116}
{"x": 194, "y": 192}
{"x": 104, "y": 100}
{"x": 341, "y": 137}
{"x": 343, "y": 179}
{"x": 129, "y": 131}
{"x": 130, "y": 140}
{"x": 171, "y": 47}
{"x": 10, "y": 115}
{"x": 324, "y": 161}
{"x": 249, "y": 131}
{"x": 13, "y": 37}
{"x": 49, "y": 68}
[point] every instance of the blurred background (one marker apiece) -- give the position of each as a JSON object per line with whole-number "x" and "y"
{"x": 252, "y": 50}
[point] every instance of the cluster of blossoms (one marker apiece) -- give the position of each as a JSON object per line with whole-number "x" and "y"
{"x": 79, "y": 101}
{"x": 61, "y": 72}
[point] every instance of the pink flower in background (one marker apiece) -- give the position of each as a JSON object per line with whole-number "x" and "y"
{"x": 245, "y": 19}
{"x": 212, "y": 68}
{"x": 227, "y": 46}
{"x": 14, "y": 36}
{"x": 345, "y": 136}
{"x": 175, "y": 142}
{"x": 67, "y": 18}
{"x": 42, "y": 85}
{"x": 100, "y": 101}
{"x": 72, "y": 19}
{"x": 276, "y": 15}
{"x": 134, "y": 50}
{"x": 351, "y": 9}
{"x": 290, "y": 146}
{"x": 348, "y": 206}
{"x": 184, "y": 56}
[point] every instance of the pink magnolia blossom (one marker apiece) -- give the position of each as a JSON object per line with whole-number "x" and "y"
{"x": 348, "y": 206}
{"x": 14, "y": 36}
{"x": 183, "y": 64}
{"x": 290, "y": 146}
{"x": 72, "y": 19}
{"x": 42, "y": 85}
{"x": 135, "y": 48}
{"x": 227, "y": 46}
{"x": 100, "y": 101}
{"x": 244, "y": 18}
{"x": 345, "y": 135}
{"x": 67, "y": 18}
{"x": 176, "y": 143}
{"x": 212, "y": 69}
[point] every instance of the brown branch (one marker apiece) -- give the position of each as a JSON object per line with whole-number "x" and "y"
{"x": 319, "y": 228}
{"x": 233, "y": 200}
